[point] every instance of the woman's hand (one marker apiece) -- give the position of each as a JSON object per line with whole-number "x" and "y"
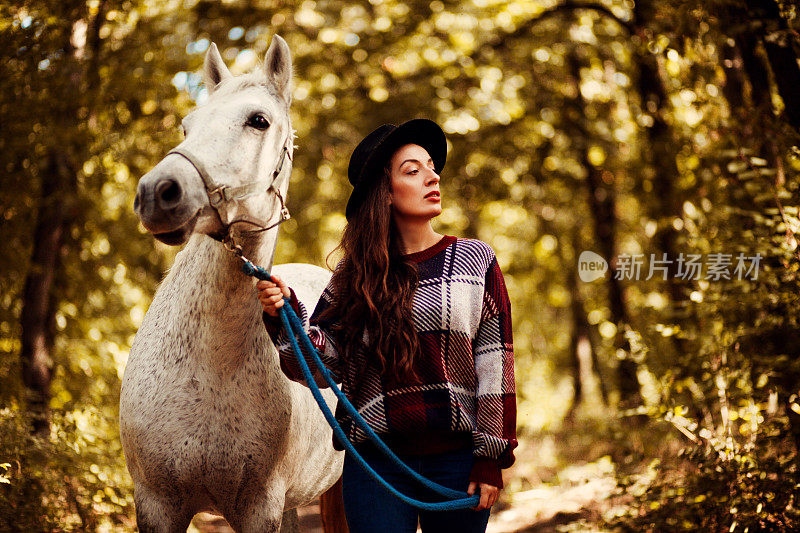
{"x": 271, "y": 294}
{"x": 489, "y": 494}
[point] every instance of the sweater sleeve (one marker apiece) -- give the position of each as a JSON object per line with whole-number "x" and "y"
{"x": 495, "y": 436}
{"x": 318, "y": 332}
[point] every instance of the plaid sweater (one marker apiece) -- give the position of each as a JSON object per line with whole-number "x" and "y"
{"x": 462, "y": 314}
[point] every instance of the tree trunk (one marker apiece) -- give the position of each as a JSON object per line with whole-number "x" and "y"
{"x": 780, "y": 53}
{"x": 757, "y": 74}
{"x": 581, "y": 333}
{"x": 667, "y": 202}
{"x": 734, "y": 87}
{"x": 602, "y": 206}
{"x": 783, "y": 62}
{"x": 38, "y": 309}
{"x": 602, "y": 202}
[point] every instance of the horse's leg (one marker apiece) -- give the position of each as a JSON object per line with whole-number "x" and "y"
{"x": 290, "y": 522}
{"x": 155, "y": 516}
{"x": 261, "y": 515}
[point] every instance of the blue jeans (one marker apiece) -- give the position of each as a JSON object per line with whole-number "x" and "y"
{"x": 370, "y": 508}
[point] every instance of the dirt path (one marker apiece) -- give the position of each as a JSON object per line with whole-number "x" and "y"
{"x": 577, "y": 496}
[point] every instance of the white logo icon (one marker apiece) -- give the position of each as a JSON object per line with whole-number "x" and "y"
{"x": 591, "y": 266}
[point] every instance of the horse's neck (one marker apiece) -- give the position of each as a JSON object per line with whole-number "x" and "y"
{"x": 218, "y": 302}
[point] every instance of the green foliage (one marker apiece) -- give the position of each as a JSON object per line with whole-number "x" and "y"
{"x": 723, "y": 374}
{"x": 711, "y": 490}
{"x": 72, "y": 481}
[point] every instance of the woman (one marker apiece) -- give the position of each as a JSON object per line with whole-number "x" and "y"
{"x": 417, "y": 326}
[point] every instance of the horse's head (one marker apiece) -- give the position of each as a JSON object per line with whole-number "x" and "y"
{"x": 226, "y": 169}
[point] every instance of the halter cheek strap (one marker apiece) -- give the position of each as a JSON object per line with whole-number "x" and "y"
{"x": 221, "y": 196}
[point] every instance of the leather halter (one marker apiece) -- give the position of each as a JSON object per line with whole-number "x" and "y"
{"x": 219, "y": 196}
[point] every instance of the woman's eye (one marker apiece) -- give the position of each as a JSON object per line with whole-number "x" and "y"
{"x": 258, "y": 122}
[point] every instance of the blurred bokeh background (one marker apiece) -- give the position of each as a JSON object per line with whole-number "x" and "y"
{"x": 649, "y": 403}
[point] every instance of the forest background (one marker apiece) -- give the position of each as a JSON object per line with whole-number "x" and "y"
{"x": 627, "y": 128}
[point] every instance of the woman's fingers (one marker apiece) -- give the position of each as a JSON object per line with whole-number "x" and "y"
{"x": 269, "y": 291}
{"x": 494, "y": 493}
{"x": 272, "y": 309}
{"x": 282, "y": 286}
{"x": 264, "y": 284}
{"x": 270, "y": 298}
{"x": 484, "y": 499}
{"x": 489, "y": 494}
{"x": 271, "y": 294}
{"x": 274, "y": 282}
{"x": 473, "y": 485}
{"x": 272, "y": 291}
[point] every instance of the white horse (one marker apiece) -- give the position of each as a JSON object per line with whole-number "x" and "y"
{"x": 207, "y": 419}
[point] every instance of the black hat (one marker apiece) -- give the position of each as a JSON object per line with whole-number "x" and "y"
{"x": 372, "y": 152}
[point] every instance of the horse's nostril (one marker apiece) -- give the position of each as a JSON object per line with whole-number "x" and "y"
{"x": 168, "y": 192}
{"x": 136, "y": 201}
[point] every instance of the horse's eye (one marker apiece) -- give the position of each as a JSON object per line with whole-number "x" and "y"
{"x": 258, "y": 122}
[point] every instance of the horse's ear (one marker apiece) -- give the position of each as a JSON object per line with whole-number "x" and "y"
{"x": 215, "y": 69}
{"x": 278, "y": 68}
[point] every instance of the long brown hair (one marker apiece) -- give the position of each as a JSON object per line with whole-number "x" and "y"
{"x": 374, "y": 287}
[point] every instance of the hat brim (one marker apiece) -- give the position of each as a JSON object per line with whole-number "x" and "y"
{"x": 420, "y": 131}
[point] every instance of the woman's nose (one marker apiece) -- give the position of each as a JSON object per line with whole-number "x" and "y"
{"x": 433, "y": 177}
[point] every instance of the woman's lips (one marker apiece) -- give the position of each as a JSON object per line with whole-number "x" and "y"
{"x": 434, "y": 195}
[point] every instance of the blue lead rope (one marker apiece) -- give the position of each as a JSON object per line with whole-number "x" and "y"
{"x": 294, "y": 328}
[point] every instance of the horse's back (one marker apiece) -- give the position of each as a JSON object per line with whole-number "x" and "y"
{"x": 308, "y": 281}
{"x": 309, "y": 459}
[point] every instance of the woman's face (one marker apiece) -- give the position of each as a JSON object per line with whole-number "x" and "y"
{"x": 415, "y": 184}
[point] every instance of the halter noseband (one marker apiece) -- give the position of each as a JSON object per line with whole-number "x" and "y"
{"x": 219, "y": 196}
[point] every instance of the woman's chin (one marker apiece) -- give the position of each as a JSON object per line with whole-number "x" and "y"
{"x": 428, "y": 211}
{"x": 436, "y": 210}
